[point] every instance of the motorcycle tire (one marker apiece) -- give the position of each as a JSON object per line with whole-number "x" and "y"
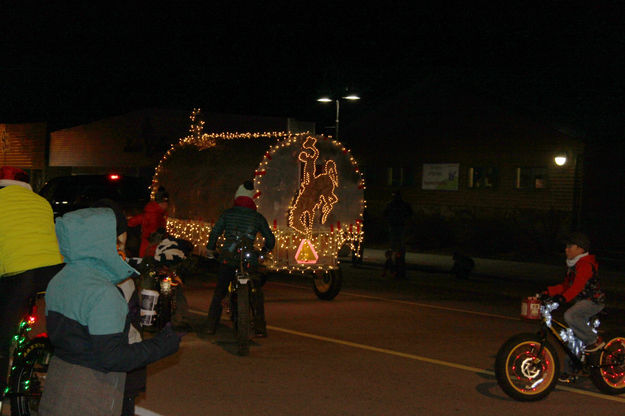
{"x": 328, "y": 284}
{"x": 243, "y": 320}
{"x": 521, "y": 373}
{"x": 28, "y": 377}
{"x": 608, "y": 371}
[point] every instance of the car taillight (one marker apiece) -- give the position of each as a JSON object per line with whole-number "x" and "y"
{"x": 114, "y": 176}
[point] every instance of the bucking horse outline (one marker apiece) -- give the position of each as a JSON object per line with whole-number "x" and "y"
{"x": 316, "y": 192}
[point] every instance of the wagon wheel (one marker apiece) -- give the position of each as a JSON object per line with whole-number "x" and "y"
{"x": 327, "y": 284}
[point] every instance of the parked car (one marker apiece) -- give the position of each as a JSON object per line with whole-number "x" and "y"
{"x": 68, "y": 193}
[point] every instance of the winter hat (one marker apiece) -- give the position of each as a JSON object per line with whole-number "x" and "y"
{"x": 122, "y": 224}
{"x": 16, "y": 174}
{"x": 579, "y": 239}
{"x": 161, "y": 195}
{"x": 245, "y": 189}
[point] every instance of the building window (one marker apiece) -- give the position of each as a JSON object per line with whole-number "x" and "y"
{"x": 531, "y": 178}
{"x": 400, "y": 176}
{"x": 483, "y": 178}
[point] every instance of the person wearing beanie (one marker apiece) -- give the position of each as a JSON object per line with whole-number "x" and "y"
{"x": 581, "y": 287}
{"x": 153, "y": 217}
{"x": 240, "y": 220}
{"x": 29, "y": 253}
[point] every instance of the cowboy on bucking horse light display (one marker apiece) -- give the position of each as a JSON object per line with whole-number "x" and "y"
{"x": 316, "y": 192}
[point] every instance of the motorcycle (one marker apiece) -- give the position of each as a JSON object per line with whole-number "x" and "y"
{"x": 158, "y": 297}
{"x": 30, "y": 358}
{"x": 245, "y": 298}
{"x": 527, "y": 365}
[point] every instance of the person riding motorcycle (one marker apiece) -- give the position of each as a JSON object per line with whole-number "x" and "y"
{"x": 241, "y": 220}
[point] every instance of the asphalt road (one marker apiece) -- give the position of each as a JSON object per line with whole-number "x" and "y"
{"x": 425, "y": 345}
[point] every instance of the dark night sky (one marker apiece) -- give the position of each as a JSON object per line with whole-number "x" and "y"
{"x": 73, "y": 65}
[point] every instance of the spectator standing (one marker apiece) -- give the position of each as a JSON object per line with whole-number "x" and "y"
{"x": 88, "y": 321}
{"x": 29, "y": 253}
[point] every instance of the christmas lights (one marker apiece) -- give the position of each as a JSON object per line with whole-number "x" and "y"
{"x": 309, "y": 188}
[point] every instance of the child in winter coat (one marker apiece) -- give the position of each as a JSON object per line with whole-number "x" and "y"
{"x": 580, "y": 286}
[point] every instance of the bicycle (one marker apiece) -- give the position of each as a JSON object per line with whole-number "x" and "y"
{"x": 527, "y": 365}
{"x": 29, "y": 364}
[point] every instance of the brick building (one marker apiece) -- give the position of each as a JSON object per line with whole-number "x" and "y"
{"x": 24, "y": 146}
{"x": 134, "y": 143}
{"x": 480, "y": 178}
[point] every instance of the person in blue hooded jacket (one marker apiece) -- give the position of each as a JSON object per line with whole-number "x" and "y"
{"x": 88, "y": 322}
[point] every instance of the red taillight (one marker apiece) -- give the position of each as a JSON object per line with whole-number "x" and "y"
{"x": 114, "y": 177}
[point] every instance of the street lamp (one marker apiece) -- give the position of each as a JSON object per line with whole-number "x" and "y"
{"x": 560, "y": 159}
{"x": 327, "y": 99}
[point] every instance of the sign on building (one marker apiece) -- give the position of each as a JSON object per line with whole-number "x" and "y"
{"x": 440, "y": 176}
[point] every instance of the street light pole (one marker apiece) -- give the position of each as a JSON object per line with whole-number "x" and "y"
{"x": 337, "y": 101}
{"x": 336, "y": 122}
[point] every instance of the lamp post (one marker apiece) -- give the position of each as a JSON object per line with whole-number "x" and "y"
{"x": 327, "y": 99}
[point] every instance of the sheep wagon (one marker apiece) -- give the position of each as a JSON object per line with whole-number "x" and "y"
{"x": 309, "y": 189}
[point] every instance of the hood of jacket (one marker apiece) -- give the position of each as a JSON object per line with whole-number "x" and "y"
{"x": 87, "y": 238}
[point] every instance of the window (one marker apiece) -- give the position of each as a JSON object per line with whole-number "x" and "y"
{"x": 531, "y": 178}
{"x": 400, "y": 176}
{"x": 482, "y": 178}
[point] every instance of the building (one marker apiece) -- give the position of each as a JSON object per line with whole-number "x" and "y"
{"x": 479, "y": 177}
{"x": 134, "y": 143}
{"x": 24, "y": 146}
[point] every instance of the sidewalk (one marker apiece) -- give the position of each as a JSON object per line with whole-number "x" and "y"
{"x": 612, "y": 281}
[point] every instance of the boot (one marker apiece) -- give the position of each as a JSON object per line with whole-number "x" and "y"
{"x": 214, "y": 315}
{"x": 260, "y": 325}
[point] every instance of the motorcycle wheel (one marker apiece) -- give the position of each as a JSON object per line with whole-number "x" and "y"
{"x": 243, "y": 320}
{"x": 608, "y": 372}
{"x": 522, "y": 373}
{"x": 328, "y": 284}
{"x": 28, "y": 377}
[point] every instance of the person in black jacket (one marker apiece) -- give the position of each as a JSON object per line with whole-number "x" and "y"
{"x": 242, "y": 220}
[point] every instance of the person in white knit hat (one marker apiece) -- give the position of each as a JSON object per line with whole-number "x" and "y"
{"x": 240, "y": 220}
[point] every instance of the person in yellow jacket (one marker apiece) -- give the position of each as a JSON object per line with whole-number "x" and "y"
{"x": 29, "y": 253}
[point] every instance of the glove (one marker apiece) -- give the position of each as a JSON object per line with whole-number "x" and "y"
{"x": 560, "y": 299}
{"x": 543, "y": 296}
{"x": 168, "y": 340}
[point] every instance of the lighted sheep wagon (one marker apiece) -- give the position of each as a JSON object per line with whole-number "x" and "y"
{"x": 309, "y": 189}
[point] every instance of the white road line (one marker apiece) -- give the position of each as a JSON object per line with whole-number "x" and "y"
{"x": 140, "y": 411}
{"x": 407, "y": 302}
{"x": 421, "y": 358}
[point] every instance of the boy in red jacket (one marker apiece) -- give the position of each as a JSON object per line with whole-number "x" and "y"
{"x": 581, "y": 286}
